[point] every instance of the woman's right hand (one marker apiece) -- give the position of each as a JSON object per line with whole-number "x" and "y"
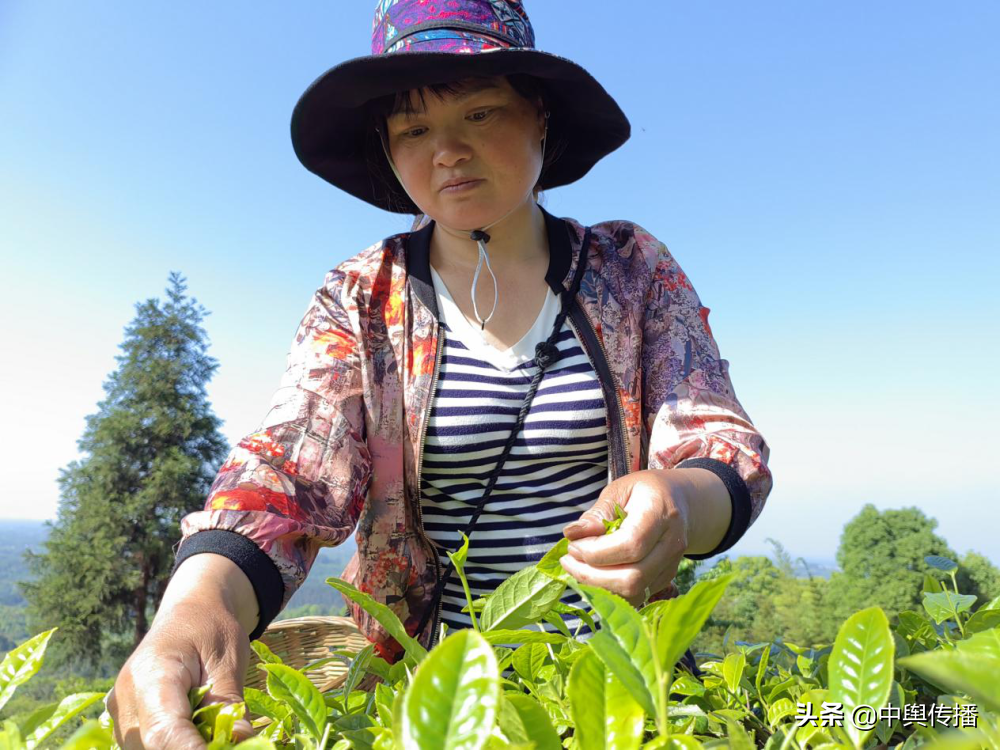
{"x": 199, "y": 637}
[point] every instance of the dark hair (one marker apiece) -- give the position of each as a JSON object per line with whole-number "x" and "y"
{"x": 381, "y": 109}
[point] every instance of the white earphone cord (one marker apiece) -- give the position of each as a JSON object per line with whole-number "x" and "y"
{"x": 479, "y": 235}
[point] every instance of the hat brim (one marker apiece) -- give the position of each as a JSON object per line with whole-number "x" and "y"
{"x": 330, "y": 129}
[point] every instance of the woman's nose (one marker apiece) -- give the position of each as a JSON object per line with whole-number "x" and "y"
{"x": 451, "y": 147}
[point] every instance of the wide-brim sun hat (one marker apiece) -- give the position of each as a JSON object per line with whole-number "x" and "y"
{"x": 416, "y": 43}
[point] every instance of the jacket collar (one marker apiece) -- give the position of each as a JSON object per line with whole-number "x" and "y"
{"x": 418, "y": 252}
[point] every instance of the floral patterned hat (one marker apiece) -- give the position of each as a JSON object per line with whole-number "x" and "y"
{"x": 416, "y": 43}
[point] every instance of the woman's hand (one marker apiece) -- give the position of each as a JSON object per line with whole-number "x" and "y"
{"x": 642, "y": 556}
{"x": 199, "y": 637}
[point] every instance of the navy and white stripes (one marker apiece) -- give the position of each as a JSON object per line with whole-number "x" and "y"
{"x": 555, "y": 471}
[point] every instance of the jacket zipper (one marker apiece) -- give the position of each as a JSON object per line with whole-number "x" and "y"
{"x": 619, "y": 448}
{"x": 420, "y": 462}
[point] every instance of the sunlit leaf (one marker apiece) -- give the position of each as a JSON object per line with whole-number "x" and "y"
{"x": 453, "y": 699}
{"x": 522, "y": 719}
{"x": 528, "y": 660}
{"x": 522, "y": 636}
{"x": 682, "y": 618}
{"x": 971, "y": 667}
{"x": 737, "y": 736}
{"x": 983, "y": 619}
{"x": 21, "y": 664}
{"x": 861, "y": 665}
{"x": 521, "y": 600}
{"x": 260, "y": 703}
{"x": 947, "y": 604}
{"x": 732, "y": 671}
{"x": 549, "y": 564}
{"x": 90, "y": 736}
{"x": 624, "y": 644}
{"x": 295, "y": 689}
{"x": 384, "y": 698}
{"x": 264, "y": 653}
{"x": 605, "y": 714}
{"x": 68, "y": 708}
{"x": 385, "y": 616}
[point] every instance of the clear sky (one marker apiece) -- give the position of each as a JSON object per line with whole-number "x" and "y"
{"x": 826, "y": 173}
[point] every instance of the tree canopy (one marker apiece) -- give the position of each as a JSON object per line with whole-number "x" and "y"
{"x": 149, "y": 455}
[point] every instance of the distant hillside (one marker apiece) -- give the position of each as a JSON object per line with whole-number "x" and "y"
{"x": 15, "y": 538}
{"x": 18, "y": 536}
{"x": 314, "y": 597}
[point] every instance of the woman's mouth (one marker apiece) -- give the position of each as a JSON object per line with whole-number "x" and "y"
{"x": 462, "y": 187}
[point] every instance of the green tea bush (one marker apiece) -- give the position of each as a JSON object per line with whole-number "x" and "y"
{"x": 619, "y": 689}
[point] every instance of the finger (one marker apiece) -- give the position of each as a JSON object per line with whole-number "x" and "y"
{"x": 634, "y": 539}
{"x": 225, "y": 675}
{"x": 165, "y": 710}
{"x": 589, "y": 524}
{"x": 630, "y": 581}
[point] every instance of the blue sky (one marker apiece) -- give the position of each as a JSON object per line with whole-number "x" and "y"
{"x": 825, "y": 173}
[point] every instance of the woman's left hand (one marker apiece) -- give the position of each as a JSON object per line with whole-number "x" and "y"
{"x": 641, "y": 557}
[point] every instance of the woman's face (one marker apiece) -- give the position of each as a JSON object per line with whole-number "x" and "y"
{"x": 492, "y": 135}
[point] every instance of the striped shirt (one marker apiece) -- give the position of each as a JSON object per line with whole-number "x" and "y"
{"x": 556, "y": 468}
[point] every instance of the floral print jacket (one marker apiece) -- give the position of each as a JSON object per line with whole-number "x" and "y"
{"x": 340, "y": 448}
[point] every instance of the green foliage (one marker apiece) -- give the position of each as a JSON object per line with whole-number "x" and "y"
{"x": 620, "y": 689}
{"x": 149, "y": 457}
{"x": 881, "y": 558}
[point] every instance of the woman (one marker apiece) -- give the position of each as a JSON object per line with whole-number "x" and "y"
{"x": 421, "y": 401}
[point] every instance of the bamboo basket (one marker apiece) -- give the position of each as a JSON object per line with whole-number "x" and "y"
{"x": 301, "y": 640}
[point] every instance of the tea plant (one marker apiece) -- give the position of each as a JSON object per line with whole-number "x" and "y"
{"x": 618, "y": 689}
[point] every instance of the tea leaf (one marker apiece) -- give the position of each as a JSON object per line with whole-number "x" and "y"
{"x": 522, "y": 719}
{"x": 732, "y": 671}
{"x": 738, "y": 738}
{"x": 385, "y": 616}
{"x": 295, "y": 689}
{"x": 521, "y": 600}
{"x": 522, "y": 636}
{"x": 605, "y": 714}
{"x": 384, "y": 698}
{"x": 256, "y": 743}
{"x": 453, "y": 699}
{"x": 549, "y": 564}
{"x": 947, "y": 605}
{"x": 264, "y": 653}
{"x": 971, "y": 667}
{"x": 260, "y": 703}
{"x": 624, "y": 644}
{"x": 21, "y": 664}
{"x": 197, "y": 694}
{"x": 357, "y": 669}
{"x": 983, "y": 619}
{"x": 62, "y": 712}
{"x": 90, "y": 736}
{"x": 861, "y": 665}
{"x": 941, "y": 563}
{"x": 681, "y": 618}
{"x": 461, "y": 555}
{"x": 528, "y": 660}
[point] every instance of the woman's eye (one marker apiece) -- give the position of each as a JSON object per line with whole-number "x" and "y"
{"x": 483, "y": 112}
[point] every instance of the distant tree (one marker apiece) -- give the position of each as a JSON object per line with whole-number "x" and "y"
{"x": 149, "y": 456}
{"x": 978, "y": 576}
{"x": 881, "y": 559}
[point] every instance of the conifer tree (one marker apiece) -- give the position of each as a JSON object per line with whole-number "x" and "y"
{"x": 148, "y": 456}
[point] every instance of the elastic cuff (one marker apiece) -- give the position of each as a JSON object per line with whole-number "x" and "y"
{"x": 739, "y": 496}
{"x": 258, "y": 567}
